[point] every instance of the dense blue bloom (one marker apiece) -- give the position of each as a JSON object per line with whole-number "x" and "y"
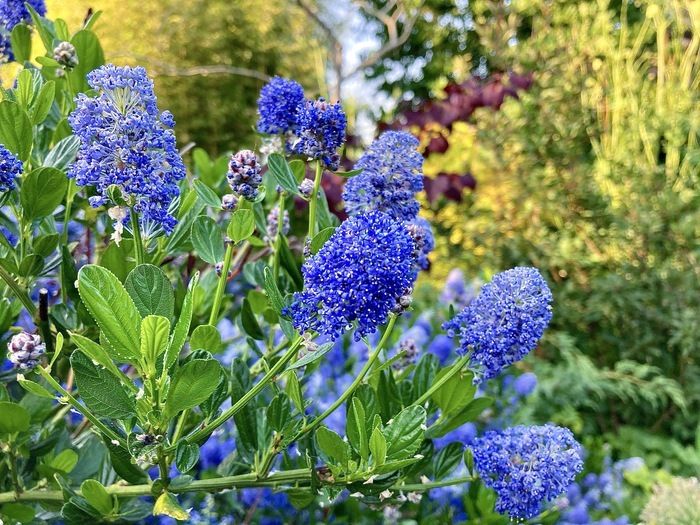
{"x": 320, "y": 131}
{"x": 392, "y": 175}
{"x": 10, "y": 168}
{"x": 13, "y": 12}
{"x": 126, "y": 141}
{"x": 505, "y": 321}
{"x": 422, "y": 234}
{"x": 527, "y": 466}
{"x": 358, "y": 276}
{"x": 277, "y": 106}
{"x": 244, "y": 174}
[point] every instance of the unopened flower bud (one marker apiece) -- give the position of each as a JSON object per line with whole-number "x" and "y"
{"x": 65, "y": 54}
{"x": 229, "y": 201}
{"x": 244, "y": 174}
{"x": 220, "y": 268}
{"x": 306, "y": 188}
{"x": 25, "y": 350}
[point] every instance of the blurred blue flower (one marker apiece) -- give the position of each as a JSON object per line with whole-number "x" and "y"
{"x": 10, "y": 169}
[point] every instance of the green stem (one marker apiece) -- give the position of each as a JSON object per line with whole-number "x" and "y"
{"x": 221, "y": 287}
{"x": 294, "y": 476}
{"x": 313, "y": 201}
{"x": 417, "y": 487}
{"x": 67, "y": 211}
{"x": 138, "y": 242}
{"x": 457, "y": 367}
{"x": 203, "y": 433}
{"x": 19, "y": 292}
{"x": 80, "y": 408}
{"x": 353, "y": 386}
{"x": 278, "y": 239}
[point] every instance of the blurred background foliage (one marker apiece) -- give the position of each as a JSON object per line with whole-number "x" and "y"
{"x": 578, "y": 121}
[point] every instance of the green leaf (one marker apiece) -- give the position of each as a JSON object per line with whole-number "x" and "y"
{"x": 193, "y": 383}
{"x": 122, "y": 464}
{"x": 250, "y": 323}
{"x": 468, "y": 413}
{"x": 311, "y": 356}
{"x": 34, "y": 388}
{"x": 272, "y": 291}
{"x": 242, "y": 225}
{"x": 206, "y": 337}
{"x": 332, "y": 445}
{"x": 18, "y": 512}
{"x": 348, "y": 174}
{"x": 90, "y": 56}
{"x": 404, "y": 433}
{"x": 206, "y": 194}
{"x": 298, "y": 167}
{"x": 16, "y": 130}
{"x": 424, "y": 374}
{"x": 45, "y": 244}
{"x": 97, "y": 496}
{"x": 182, "y": 327}
{"x": 31, "y": 265}
{"x": 290, "y": 264}
{"x": 167, "y": 505}
{"x": 96, "y": 353}
{"x": 282, "y": 173}
{"x": 155, "y": 333}
{"x": 101, "y": 391}
{"x": 393, "y": 466}
{"x": 377, "y": 446}
{"x": 320, "y": 239}
{"x": 186, "y": 456}
{"x": 39, "y": 110}
{"x": 208, "y": 240}
{"x": 151, "y": 291}
{"x": 63, "y": 153}
{"x": 447, "y": 459}
{"x": 65, "y": 461}
{"x": 113, "y": 309}
{"x": 356, "y": 428}
{"x": 293, "y": 390}
{"x": 279, "y": 412}
{"x": 456, "y": 393}
{"x": 21, "y": 40}
{"x": 42, "y": 191}
{"x": 15, "y": 418}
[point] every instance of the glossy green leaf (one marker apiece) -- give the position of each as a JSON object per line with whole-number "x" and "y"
{"x": 208, "y": 240}
{"x": 282, "y": 173}
{"x": 378, "y": 447}
{"x": 192, "y": 384}
{"x": 15, "y": 418}
{"x": 151, "y": 291}
{"x": 456, "y": 393}
{"x": 356, "y": 428}
{"x": 97, "y": 496}
{"x": 21, "y": 40}
{"x": 113, "y": 309}
{"x": 155, "y": 335}
{"x": 332, "y": 445}
{"x": 404, "y": 433}
{"x": 242, "y": 225}
{"x": 16, "y": 132}
{"x": 182, "y": 326}
{"x": 186, "y": 456}
{"x": 206, "y": 337}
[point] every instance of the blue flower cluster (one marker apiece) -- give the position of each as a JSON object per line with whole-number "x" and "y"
{"x": 277, "y": 106}
{"x": 320, "y": 131}
{"x": 126, "y": 141}
{"x": 13, "y": 12}
{"x": 505, "y": 321}
{"x": 244, "y": 174}
{"x": 392, "y": 175}
{"x": 527, "y": 466}
{"x": 10, "y": 168}
{"x": 597, "y": 493}
{"x": 357, "y": 276}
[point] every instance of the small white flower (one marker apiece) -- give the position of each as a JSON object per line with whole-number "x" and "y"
{"x": 385, "y": 495}
{"x": 356, "y": 495}
{"x": 117, "y": 214}
{"x": 419, "y": 456}
{"x": 423, "y": 428}
{"x": 424, "y": 479}
{"x": 115, "y": 442}
{"x": 414, "y": 497}
{"x": 370, "y": 479}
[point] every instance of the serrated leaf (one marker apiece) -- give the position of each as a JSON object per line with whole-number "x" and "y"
{"x": 95, "y": 353}
{"x": 405, "y": 432}
{"x": 113, "y": 309}
{"x": 101, "y": 391}
{"x": 151, "y": 291}
{"x": 192, "y": 384}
